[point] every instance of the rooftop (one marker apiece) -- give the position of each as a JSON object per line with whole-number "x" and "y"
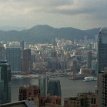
{"x": 20, "y": 104}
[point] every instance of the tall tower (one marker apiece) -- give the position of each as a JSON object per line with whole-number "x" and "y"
{"x": 22, "y": 45}
{"x": 5, "y": 78}
{"x": 13, "y": 56}
{"x": 27, "y": 61}
{"x": 89, "y": 55}
{"x": 43, "y": 80}
{"x": 2, "y": 52}
{"x": 102, "y": 68}
{"x": 102, "y": 49}
{"x": 102, "y": 89}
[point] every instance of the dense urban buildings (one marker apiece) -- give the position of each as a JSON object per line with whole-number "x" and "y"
{"x": 30, "y": 93}
{"x": 5, "y": 78}
{"x": 50, "y": 101}
{"x": 60, "y": 64}
{"x": 82, "y": 100}
{"x": 47, "y": 63}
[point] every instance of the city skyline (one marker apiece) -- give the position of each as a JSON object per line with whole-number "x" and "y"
{"x": 81, "y": 14}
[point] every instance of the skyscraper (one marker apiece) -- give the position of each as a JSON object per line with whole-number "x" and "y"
{"x": 13, "y": 56}
{"x": 102, "y": 89}
{"x": 89, "y": 57}
{"x": 43, "y": 85}
{"x": 2, "y": 52}
{"x": 54, "y": 88}
{"x": 26, "y": 61}
{"x": 5, "y": 78}
{"x": 102, "y": 68}
{"x": 22, "y": 45}
{"x": 102, "y": 49}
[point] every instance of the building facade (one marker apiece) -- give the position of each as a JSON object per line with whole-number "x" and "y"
{"x": 26, "y": 61}
{"x": 89, "y": 59}
{"x": 102, "y": 49}
{"x": 30, "y": 93}
{"x": 13, "y": 56}
{"x": 102, "y": 89}
{"x": 43, "y": 80}
{"x": 5, "y": 78}
{"x": 2, "y": 52}
{"x": 82, "y": 100}
{"x": 102, "y": 68}
{"x": 54, "y": 88}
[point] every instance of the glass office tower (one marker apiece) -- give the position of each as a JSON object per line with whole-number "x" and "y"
{"x": 5, "y": 78}
{"x": 43, "y": 85}
{"x": 13, "y": 56}
{"x": 102, "y": 68}
{"x": 54, "y": 88}
{"x": 102, "y": 49}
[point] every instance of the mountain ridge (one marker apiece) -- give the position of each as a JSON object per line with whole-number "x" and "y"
{"x": 46, "y": 33}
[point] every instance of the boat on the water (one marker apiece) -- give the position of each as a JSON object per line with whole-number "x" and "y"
{"x": 90, "y": 78}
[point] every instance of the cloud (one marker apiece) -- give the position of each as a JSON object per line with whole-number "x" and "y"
{"x": 14, "y": 11}
{"x": 68, "y": 7}
{"x": 96, "y": 7}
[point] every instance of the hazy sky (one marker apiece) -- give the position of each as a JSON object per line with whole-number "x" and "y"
{"x": 74, "y": 13}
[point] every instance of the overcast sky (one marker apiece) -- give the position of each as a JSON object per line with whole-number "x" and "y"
{"x": 81, "y": 14}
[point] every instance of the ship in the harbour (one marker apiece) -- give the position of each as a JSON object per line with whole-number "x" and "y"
{"x": 90, "y": 78}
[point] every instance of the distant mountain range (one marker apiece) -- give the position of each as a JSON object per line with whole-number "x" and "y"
{"x": 45, "y": 33}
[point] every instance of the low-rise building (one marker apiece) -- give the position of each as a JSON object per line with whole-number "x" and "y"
{"x": 30, "y": 93}
{"x": 82, "y": 100}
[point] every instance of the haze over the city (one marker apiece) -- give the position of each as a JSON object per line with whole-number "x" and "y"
{"x": 83, "y": 14}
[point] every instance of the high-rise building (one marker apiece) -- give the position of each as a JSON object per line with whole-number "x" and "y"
{"x": 13, "y": 56}
{"x": 5, "y": 78}
{"x": 89, "y": 55}
{"x": 43, "y": 85}
{"x": 102, "y": 49}
{"x": 22, "y": 45}
{"x": 102, "y": 89}
{"x": 26, "y": 61}
{"x": 94, "y": 66}
{"x": 54, "y": 88}
{"x": 102, "y": 68}
{"x": 2, "y": 52}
